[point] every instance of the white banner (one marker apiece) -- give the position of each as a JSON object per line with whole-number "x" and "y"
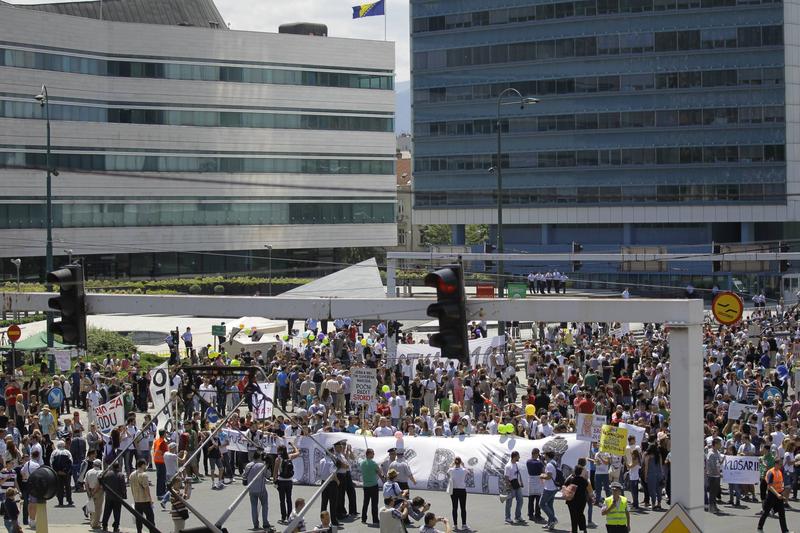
{"x": 588, "y": 427}
{"x": 362, "y": 386}
{"x": 479, "y": 350}
{"x": 484, "y": 456}
{"x": 236, "y": 440}
{"x": 634, "y": 431}
{"x": 110, "y": 414}
{"x": 738, "y": 469}
{"x": 160, "y": 387}
{"x": 735, "y": 410}
{"x": 264, "y": 401}
{"x": 63, "y": 359}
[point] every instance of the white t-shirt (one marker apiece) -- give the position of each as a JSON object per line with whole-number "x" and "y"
{"x": 512, "y": 471}
{"x": 458, "y": 476}
{"x": 550, "y": 484}
{"x": 600, "y": 466}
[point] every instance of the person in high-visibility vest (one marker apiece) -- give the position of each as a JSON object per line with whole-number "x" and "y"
{"x": 618, "y": 519}
{"x": 775, "y": 498}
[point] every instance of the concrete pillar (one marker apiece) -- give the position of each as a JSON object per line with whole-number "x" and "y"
{"x": 686, "y": 393}
{"x": 545, "y": 233}
{"x": 459, "y": 234}
{"x": 391, "y": 278}
{"x": 748, "y": 230}
{"x": 627, "y": 234}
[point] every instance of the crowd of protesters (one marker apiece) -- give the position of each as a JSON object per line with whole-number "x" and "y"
{"x": 538, "y": 385}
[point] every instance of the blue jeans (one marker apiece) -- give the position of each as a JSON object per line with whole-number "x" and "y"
{"x": 255, "y": 499}
{"x": 633, "y": 486}
{"x": 548, "y": 496}
{"x": 10, "y": 525}
{"x": 515, "y": 494}
{"x": 601, "y": 483}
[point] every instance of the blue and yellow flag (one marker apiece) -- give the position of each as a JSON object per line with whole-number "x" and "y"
{"x": 369, "y": 10}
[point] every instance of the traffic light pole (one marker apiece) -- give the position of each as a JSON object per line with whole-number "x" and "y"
{"x": 49, "y": 216}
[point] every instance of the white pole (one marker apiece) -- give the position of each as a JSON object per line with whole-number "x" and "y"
{"x": 385, "y": 16}
{"x": 686, "y": 424}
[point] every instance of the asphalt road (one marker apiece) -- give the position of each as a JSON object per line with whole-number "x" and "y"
{"x": 485, "y": 513}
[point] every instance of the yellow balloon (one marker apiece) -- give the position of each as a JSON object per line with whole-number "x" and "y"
{"x": 530, "y": 409}
{"x": 363, "y": 342}
{"x": 241, "y": 326}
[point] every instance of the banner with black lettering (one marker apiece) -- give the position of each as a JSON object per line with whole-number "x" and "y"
{"x": 160, "y": 386}
{"x": 737, "y": 469}
{"x": 110, "y": 414}
{"x": 484, "y": 456}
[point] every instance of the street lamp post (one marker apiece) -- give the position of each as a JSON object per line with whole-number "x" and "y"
{"x": 17, "y": 263}
{"x": 44, "y": 102}
{"x": 498, "y": 166}
{"x": 269, "y": 247}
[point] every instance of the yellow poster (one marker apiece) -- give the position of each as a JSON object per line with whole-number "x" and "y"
{"x": 613, "y": 440}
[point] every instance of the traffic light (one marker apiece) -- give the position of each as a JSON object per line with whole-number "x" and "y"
{"x": 71, "y": 303}
{"x": 393, "y": 330}
{"x": 784, "y": 264}
{"x": 576, "y": 249}
{"x": 488, "y": 249}
{"x": 450, "y": 309}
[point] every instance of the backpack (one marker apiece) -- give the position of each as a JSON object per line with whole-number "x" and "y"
{"x": 559, "y": 480}
{"x": 62, "y": 464}
{"x": 287, "y": 469}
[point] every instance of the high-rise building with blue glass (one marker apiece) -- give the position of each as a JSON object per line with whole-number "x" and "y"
{"x": 662, "y": 124}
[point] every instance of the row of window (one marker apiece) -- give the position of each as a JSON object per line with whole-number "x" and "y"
{"x": 187, "y": 71}
{"x": 669, "y": 118}
{"x": 225, "y": 119}
{"x": 559, "y": 10}
{"x": 21, "y": 216}
{"x": 153, "y": 163}
{"x": 601, "y": 45}
{"x": 747, "y": 77}
{"x": 693, "y": 155}
{"x": 634, "y": 194}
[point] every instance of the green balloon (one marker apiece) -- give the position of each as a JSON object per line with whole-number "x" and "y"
{"x": 385, "y": 388}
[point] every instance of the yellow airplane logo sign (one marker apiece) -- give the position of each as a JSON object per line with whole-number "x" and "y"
{"x": 727, "y": 308}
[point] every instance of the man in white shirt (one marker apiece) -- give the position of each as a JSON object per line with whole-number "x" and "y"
{"x": 549, "y": 489}
{"x": 93, "y": 399}
{"x": 513, "y": 479}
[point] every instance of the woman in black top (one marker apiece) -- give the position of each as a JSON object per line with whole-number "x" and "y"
{"x": 578, "y": 502}
{"x": 11, "y": 511}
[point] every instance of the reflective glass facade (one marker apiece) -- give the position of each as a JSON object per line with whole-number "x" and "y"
{"x": 641, "y": 101}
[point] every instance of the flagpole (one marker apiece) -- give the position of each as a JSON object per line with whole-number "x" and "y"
{"x": 385, "y": 16}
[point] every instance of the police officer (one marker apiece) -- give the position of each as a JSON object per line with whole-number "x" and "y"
{"x": 618, "y": 519}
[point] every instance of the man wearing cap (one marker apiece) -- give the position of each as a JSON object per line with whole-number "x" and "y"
{"x": 95, "y": 492}
{"x": 404, "y": 473}
{"x": 618, "y": 518}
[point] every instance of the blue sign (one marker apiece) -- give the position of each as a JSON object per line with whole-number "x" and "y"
{"x": 55, "y": 397}
{"x": 773, "y": 393}
{"x": 211, "y": 415}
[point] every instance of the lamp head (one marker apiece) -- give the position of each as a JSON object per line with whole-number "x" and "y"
{"x": 41, "y": 99}
{"x": 16, "y": 262}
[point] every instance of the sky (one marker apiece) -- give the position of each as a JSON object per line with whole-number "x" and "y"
{"x": 267, "y": 15}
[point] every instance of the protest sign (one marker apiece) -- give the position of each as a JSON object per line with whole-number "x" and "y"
{"x": 588, "y": 427}
{"x": 479, "y": 351}
{"x": 634, "y": 431}
{"x": 736, "y": 409}
{"x": 613, "y": 439}
{"x": 431, "y": 457}
{"x": 236, "y": 440}
{"x": 364, "y": 381}
{"x": 160, "y": 388}
{"x": 63, "y": 359}
{"x": 264, "y": 400}
{"x": 739, "y": 469}
{"x": 110, "y": 414}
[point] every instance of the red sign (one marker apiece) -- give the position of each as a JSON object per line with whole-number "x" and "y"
{"x": 484, "y": 290}
{"x": 13, "y": 333}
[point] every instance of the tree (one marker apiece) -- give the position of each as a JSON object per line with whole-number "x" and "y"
{"x": 103, "y": 342}
{"x": 435, "y": 234}
{"x": 477, "y": 233}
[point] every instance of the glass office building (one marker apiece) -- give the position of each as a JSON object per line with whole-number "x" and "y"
{"x": 663, "y": 125}
{"x": 183, "y": 147}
